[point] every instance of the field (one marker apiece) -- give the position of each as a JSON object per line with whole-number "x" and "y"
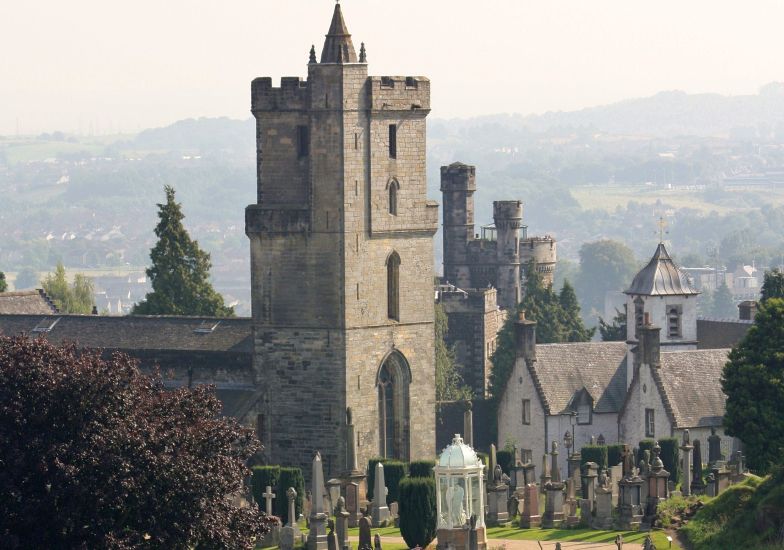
{"x": 728, "y": 200}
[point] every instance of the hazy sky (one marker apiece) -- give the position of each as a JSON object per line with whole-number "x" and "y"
{"x": 110, "y": 65}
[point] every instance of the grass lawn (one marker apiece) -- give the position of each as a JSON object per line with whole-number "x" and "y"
{"x": 581, "y": 535}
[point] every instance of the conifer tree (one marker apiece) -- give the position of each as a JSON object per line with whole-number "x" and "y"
{"x": 450, "y": 385}
{"x": 773, "y": 285}
{"x": 614, "y": 331}
{"x": 3, "y": 283}
{"x": 180, "y": 270}
{"x": 753, "y": 381}
{"x": 723, "y": 303}
{"x": 573, "y": 328}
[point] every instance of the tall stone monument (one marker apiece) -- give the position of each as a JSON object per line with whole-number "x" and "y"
{"x": 686, "y": 448}
{"x": 317, "y": 537}
{"x": 380, "y": 509}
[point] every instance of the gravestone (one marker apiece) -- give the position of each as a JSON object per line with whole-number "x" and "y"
{"x": 616, "y": 475}
{"x": 365, "y": 537}
{"x": 697, "y": 485}
{"x": 630, "y": 505}
{"x": 353, "y": 504}
{"x": 468, "y": 425}
{"x": 714, "y": 448}
{"x": 493, "y": 458}
{"x": 658, "y": 487}
{"x": 332, "y": 537}
{"x": 317, "y": 537}
{"x": 530, "y": 516}
{"x": 376, "y": 542}
{"x": 380, "y": 509}
{"x": 341, "y": 523}
{"x": 589, "y": 480}
{"x": 572, "y": 519}
{"x": 497, "y": 499}
{"x": 287, "y": 538}
{"x": 545, "y": 477}
{"x": 710, "y": 487}
{"x": 554, "y": 494}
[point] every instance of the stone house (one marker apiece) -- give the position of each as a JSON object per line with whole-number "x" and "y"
{"x": 654, "y": 385}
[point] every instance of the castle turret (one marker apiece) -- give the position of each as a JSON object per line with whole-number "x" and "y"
{"x": 458, "y": 183}
{"x": 508, "y": 217}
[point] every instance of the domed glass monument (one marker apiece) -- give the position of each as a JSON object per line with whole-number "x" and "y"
{"x": 460, "y": 499}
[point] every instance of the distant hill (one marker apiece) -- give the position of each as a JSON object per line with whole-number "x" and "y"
{"x": 666, "y": 114}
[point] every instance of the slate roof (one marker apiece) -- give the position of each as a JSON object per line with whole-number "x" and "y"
{"x": 26, "y": 301}
{"x": 721, "y": 333}
{"x": 561, "y": 370}
{"x": 661, "y": 277}
{"x": 690, "y": 382}
{"x": 137, "y": 332}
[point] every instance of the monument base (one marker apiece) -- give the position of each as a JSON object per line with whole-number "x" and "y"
{"x": 459, "y": 538}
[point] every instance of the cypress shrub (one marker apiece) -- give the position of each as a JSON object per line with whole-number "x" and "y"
{"x": 614, "y": 454}
{"x": 418, "y": 511}
{"x": 394, "y": 473}
{"x": 669, "y": 457}
{"x": 289, "y": 477}
{"x": 371, "y": 475}
{"x": 645, "y": 445}
{"x": 506, "y": 460}
{"x": 421, "y": 468}
{"x": 260, "y": 478}
{"x": 594, "y": 453}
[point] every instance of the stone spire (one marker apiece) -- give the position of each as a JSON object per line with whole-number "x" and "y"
{"x": 312, "y": 58}
{"x": 338, "y": 47}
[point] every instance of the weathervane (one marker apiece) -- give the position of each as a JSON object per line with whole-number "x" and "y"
{"x": 662, "y": 223}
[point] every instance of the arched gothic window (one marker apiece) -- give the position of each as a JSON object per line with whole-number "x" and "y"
{"x": 393, "y": 383}
{"x": 393, "y": 286}
{"x": 392, "y": 187}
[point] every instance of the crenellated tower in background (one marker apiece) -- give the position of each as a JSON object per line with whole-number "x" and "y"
{"x": 341, "y": 261}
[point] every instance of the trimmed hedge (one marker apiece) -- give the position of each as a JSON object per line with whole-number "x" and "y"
{"x": 506, "y": 460}
{"x": 669, "y": 457}
{"x": 614, "y": 454}
{"x": 594, "y": 453}
{"x": 421, "y": 468}
{"x": 418, "y": 511}
{"x": 289, "y": 477}
{"x": 394, "y": 472}
{"x": 260, "y": 478}
{"x": 645, "y": 445}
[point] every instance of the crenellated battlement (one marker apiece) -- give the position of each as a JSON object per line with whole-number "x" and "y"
{"x": 399, "y": 93}
{"x": 292, "y": 94}
{"x": 458, "y": 177}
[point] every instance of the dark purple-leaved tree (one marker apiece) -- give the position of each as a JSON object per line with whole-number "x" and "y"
{"x": 96, "y": 454}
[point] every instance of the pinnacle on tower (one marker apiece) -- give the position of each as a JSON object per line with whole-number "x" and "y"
{"x": 312, "y": 58}
{"x": 338, "y": 47}
{"x": 362, "y": 53}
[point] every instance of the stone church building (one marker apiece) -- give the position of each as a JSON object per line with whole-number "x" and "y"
{"x": 656, "y": 384}
{"x": 341, "y": 242}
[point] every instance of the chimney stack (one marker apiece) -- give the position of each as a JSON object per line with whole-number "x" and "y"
{"x": 525, "y": 338}
{"x": 650, "y": 344}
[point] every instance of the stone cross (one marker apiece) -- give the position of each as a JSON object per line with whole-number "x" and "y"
{"x": 291, "y": 494}
{"x": 268, "y": 496}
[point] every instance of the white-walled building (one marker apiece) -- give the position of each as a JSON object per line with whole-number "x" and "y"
{"x": 654, "y": 385}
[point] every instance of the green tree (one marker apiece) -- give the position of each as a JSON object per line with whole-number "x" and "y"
{"x": 180, "y": 270}
{"x": 573, "y": 327}
{"x": 604, "y": 266}
{"x": 753, "y": 380}
{"x": 614, "y": 331}
{"x": 773, "y": 285}
{"x": 26, "y": 278}
{"x": 74, "y": 298}
{"x": 557, "y": 319}
{"x": 449, "y": 383}
{"x": 3, "y": 283}
{"x": 723, "y": 303}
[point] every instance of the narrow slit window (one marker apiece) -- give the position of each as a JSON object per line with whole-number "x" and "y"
{"x": 526, "y": 411}
{"x": 393, "y": 141}
{"x": 303, "y": 141}
{"x": 650, "y": 424}
{"x": 393, "y": 287}
{"x": 393, "y": 186}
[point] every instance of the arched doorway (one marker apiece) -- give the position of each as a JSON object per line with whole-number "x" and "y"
{"x": 393, "y": 381}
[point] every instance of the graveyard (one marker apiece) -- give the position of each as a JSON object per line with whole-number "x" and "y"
{"x": 468, "y": 500}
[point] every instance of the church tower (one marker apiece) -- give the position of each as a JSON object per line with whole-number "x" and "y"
{"x": 661, "y": 295}
{"x": 341, "y": 242}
